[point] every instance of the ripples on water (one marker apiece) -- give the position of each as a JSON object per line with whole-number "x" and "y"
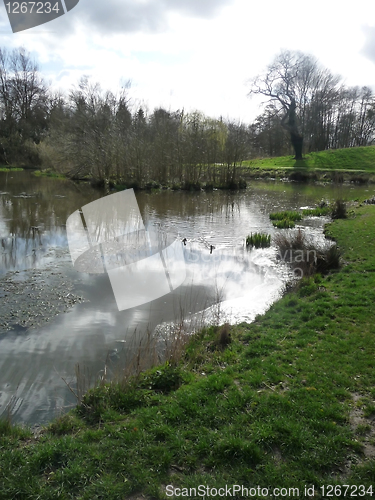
{"x": 229, "y": 284}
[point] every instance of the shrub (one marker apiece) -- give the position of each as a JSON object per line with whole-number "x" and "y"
{"x": 152, "y": 185}
{"x": 258, "y": 240}
{"x": 191, "y": 186}
{"x": 234, "y": 185}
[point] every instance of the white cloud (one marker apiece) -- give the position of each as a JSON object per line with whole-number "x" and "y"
{"x": 198, "y": 55}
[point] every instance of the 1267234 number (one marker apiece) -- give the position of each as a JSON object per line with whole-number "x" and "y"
{"x": 346, "y": 490}
{"x": 32, "y": 7}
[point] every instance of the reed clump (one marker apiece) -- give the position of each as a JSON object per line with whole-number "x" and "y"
{"x": 287, "y": 214}
{"x": 286, "y": 219}
{"x": 316, "y": 212}
{"x": 258, "y": 240}
{"x": 284, "y": 224}
{"x": 304, "y": 256}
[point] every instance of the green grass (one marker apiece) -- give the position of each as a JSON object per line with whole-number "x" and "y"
{"x": 269, "y": 403}
{"x": 353, "y": 159}
{"x": 316, "y": 212}
{"x": 285, "y": 220}
{"x": 284, "y": 224}
{"x": 10, "y": 169}
{"x": 289, "y": 214}
{"x": 49, "y": 173}
{"x": 258, "y": 240}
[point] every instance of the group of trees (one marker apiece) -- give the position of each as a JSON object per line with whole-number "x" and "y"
{"x": 95, "y": 133}
{"x": 23, "y": 107}
{"x": 310, "y": 105}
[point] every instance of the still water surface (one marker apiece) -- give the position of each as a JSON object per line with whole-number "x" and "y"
{"x": 230, "y": 283}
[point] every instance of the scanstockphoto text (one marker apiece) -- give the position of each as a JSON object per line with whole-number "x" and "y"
{"x": 308, "y": 491}
{"x": 206, "y": 491}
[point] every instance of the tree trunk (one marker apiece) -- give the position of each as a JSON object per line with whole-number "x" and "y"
{"x": 297, "y": 143}
{"x": 289, "y": 122}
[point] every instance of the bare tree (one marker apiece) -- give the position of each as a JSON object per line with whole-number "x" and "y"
{"x": 291, "y": 82}
{"x": 23, "y": 106}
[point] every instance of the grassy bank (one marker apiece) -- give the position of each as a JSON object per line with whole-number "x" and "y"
{"x": 361, "y": 158}
{"x": 10, "y": 169}
{"x": 340, "y": 165}
{"x": 349, "y": 164}
{"x": 49, "y": 173}
{"x": 287, "y": 401}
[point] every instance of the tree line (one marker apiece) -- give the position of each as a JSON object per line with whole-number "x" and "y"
{"x": 97, "y": 134}
{"x": 311, "y": 106}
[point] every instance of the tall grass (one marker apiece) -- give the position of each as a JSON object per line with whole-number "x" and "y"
{"x": 287, "y": 219}
{"x": 293, "y": 241}
{"x": 316, "y": 212}
{"x": 6, "y": 424}
{"x": 149, "y": 361}
{"x": 305, "y": 256}
{"x": 258, "y": 240}
{"x": 288, "y": 214}
{"x": 283, "y": 224}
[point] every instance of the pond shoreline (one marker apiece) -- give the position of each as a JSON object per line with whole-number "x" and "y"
{"x": 317, "y": 176}
{"x": 289, "y": 396}
{"x": 34, "y": 242}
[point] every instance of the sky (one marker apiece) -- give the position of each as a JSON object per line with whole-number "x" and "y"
{"x": 196, "y": 54}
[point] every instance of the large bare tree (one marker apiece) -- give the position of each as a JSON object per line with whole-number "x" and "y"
{"x": 291, "y": 82}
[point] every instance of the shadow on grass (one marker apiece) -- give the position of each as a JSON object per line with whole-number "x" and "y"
{"x": 301, "y": 172}
{"x": 300, "y": 164}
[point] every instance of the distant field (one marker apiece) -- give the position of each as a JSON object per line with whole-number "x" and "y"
{"x": 353, "y": 159}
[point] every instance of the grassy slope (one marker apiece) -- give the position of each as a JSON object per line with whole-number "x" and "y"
{"x": 358, "y": 159}
{"x": 289, "y": 402}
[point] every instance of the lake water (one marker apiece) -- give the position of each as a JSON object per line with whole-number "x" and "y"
{"x": 53, "y": 317}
